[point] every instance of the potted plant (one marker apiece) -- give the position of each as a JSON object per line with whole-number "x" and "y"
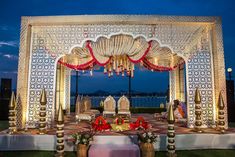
{"x": 82, "y": 141}
{"x": 146, "y": 141}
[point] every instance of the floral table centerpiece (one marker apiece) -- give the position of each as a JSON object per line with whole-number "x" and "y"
{"x": 82, "y": 141}
{"x": 120, "y": 125}
{"x": 100, "y": 124}
{"x": 139, "y": 124}
{"x": 146, "y": 141}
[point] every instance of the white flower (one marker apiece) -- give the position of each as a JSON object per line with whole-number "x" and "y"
{"x": 144, "y": 134}
{"x": 149, "y": 134}
{"x": 84, "y": 140}
{"x": 78, "y": 141}
{"x": 148, "y": 140}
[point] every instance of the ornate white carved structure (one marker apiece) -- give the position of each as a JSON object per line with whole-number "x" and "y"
{"x": 44, "y": 40}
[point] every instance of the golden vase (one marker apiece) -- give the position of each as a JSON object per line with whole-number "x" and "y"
{"x": 82, "y": 150}
{"x": 147, "y": 150}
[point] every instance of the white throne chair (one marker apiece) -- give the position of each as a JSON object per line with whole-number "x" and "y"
{"x": 109, "y": 106}
{"x": 80, "y": 111}
{"x": 87, "y": 105}
{"x": 124, "y": 106}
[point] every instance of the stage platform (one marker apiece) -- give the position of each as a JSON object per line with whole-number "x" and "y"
{"x": 186, "y": 139}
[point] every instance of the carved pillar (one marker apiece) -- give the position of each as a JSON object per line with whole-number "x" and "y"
{"x": 60, "y": 87}
{"x": 181, "y": 83}
{"x": 23, "y": 72}
{"x": 219, "y": 65}
{"x": 177, "y": 84}
{"x": 172, "y": 85}
{"x": 67, "y": 89}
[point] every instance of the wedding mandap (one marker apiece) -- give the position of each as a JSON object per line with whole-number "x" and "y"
{"x": 189, "y": 48}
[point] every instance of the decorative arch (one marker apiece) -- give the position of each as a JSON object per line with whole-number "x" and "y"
{"x": 45, "y": 39}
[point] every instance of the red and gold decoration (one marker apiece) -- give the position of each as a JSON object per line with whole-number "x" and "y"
{"x": 100, "y": 124}
{"x": 171, "y": 133}
{"x": 60, "y": 133}
{"x": 12, "y": 115}
{"x": 140, "y": 123}
{"x": 152, "y": 66}
{"x": 120, "y": 125}
{"x": 119, "y": 120}
{"x": 198, "y": 111}
{"x": 119, "y": 64}
{"x": 130, "y": 52}
{"x": 42, "y": 113}
{"x": 221, "y": 118}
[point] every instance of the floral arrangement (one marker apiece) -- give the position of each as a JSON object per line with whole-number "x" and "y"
{"x": 147, "y": 137}
{"x": 100, "y": 124}
{"x": 82, "y": 138}
{"x": 139, "y": 124}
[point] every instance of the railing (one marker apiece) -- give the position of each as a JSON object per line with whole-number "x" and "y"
{"x": 137, "y": 101}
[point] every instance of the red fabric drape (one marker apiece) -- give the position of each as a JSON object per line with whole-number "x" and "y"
{"x": 145, "y": 53}
{"x": 94, "y": 61}
{"x": 93, "y": 56}
{"x": 154, "y": 67}
{"x": 84, "y": 66}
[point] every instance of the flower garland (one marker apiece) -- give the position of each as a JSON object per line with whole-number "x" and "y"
{"x": 109, "y": 64}
{"x": 88, "y": 45}
{"x": 84, "y": 66}
{"x": 145, "y": 53}
{"x": 154, "y": 67}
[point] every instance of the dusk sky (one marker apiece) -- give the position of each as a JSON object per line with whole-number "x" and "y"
{"x": 12, "y": 10}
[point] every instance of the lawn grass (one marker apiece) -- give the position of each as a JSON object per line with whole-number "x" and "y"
{"x": 192, "y": 153}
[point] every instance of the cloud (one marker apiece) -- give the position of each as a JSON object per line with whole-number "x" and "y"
{"x": 9, "y": 56}
{"x": 8, "y": 43}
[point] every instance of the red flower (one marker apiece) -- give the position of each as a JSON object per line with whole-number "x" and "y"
{"x": 100, "y": 124}
{"x": 140, "y": 123}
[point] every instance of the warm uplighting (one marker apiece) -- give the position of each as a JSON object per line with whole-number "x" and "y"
{"x": 229, "y": 70}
